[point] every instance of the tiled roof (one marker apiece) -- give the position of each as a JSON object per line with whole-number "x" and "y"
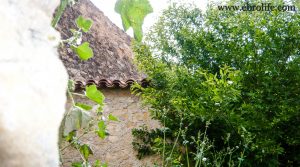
{"x": 112, "y": 64}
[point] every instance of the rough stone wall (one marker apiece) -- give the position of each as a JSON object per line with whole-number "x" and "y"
{"x": 33, "y": 84}
{"x": 117, "y": 149}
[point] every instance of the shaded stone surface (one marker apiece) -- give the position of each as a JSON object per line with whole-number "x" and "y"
{"x": 116, "y": 149}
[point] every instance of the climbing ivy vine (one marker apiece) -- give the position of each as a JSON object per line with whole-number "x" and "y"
{"x": 82, "y": 117}
{"x": 86, "y": 118}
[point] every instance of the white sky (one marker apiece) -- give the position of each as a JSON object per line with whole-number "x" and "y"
{"x": 107, "y": 6}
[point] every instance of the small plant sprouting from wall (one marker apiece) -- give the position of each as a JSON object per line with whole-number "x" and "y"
{"x": 83, "y": 50}
{"x": 79, "y": 117}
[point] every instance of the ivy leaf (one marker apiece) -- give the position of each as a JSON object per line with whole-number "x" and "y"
{"x": 101, "y": 129}
{"x": 83, "y": 106}
{"x": 94, "y": 94}
{"x": 84, "y": 51}
{"x": 112, "y": 118}
{"x": 133, "y": 13}
{"x": 84, "y": 24}
{"x": 76, "y": 119}
{"x": 86, "y": 151}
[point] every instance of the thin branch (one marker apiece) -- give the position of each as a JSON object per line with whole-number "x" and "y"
{"x": 78, "y": 94}
{"x": 62, "y": 149}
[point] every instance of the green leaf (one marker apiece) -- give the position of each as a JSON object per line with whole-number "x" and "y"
{"x": 71, "y": 85}
{"x": 100, "y": 109}
{"x": 84, "y": 24}
{"x": 76, "y": 119}
{"x": 77, "y": 164}
{"x": 83, "y": 106}
{"x": 86, "y": 151}
{"x": 112, "y": 118}
{"x": 133, "y": 13}
{"x": 94, "y": 94}
{"x": 84, "y": 51}
{"x": 97, "y": 163}
{"x": 70, "y": 136}
{"x": 101, "y": 129}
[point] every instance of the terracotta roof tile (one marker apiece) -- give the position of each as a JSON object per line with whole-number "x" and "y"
{"x": 112, "y": 64}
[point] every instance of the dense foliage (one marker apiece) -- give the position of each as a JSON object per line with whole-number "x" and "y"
{"x": 225, "y": 85}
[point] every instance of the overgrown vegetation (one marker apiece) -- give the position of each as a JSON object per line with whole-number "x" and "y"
{"x": 224, "y": 85}
{"x": 83, "y": 117}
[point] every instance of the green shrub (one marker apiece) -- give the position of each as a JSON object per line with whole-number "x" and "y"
{"x": 239, "y": 71}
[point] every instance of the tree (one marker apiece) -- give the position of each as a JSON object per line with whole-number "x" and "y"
{"x": 238, "y": 71}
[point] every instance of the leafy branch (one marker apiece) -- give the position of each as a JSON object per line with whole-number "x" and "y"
{"x": 133, "y": 13}
{"x": 83, "y": 50}
{"x": 79, "y": 118}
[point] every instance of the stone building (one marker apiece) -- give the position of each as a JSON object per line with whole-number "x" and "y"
{"x": 112, "y": 70}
